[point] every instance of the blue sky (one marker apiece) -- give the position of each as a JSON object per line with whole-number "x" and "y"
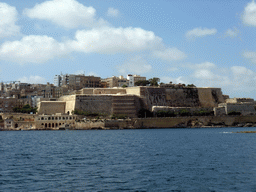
{"x": 207, "y": 43}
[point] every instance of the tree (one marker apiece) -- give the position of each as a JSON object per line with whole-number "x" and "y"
{"x": 191, "y": 85}
{"x": 142, "y": 83}
{"x": 25, "y": 109}
{"x": 124, "y": 85}
{"x": 154, "y": 81}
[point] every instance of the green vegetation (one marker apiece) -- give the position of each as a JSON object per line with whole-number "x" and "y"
{"x": 142, "y": 83}
{"x": 165, "y": 114}
{"x": 115, "y": 116}
{"x": 144, "y": 113}
{"x": 25, "y": 109}
{"x": 234, "y": 113}
{"x": 191, "y": 85}
{"x": 154, "y": 81}
{"x": 184, "y": 112}
{"x": 124, "y": 86}
{"x": 203, "y": 113}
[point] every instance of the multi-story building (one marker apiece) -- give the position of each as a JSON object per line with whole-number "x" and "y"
{"x": 134, "y": 78}
{"x": 76, "y": 82}
{"x": 116, "y": 81}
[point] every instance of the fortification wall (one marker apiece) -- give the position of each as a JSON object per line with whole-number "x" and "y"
{"x": 239, "y": 100}
{"x": 70, "y": 103}
{"x": 134, "y": 90}
{"x": 51, "y": 107}
{"x": 88, "y": 91}
{"x": 193, "y": 121}
{"x": 109, "y": 91}
{"x": 244, "y": 109}
{"x": 94, "y": 103}
{"x": 181, "y": 97}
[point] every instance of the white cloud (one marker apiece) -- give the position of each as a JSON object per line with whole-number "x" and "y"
{"x": 32, "y": 49}
{"x": 109, "y": 40}
{"x": 66, "y": 13}
{"x": 232, "y": 33}
{"x": 9, "y": 16}
{"x": 204, "y": 74}
{"x": 32, "y": 79}
{"x": 112, "y": 12}
{"x": 241, "y": 72}
{"x": 136, "y": 65}
{"x": 249, "y": 15}
{"x": 205, "y": 65}
{"x": 170, "y": 54}
{"x": 177, "y": 80}
{"x": 250, "y": 55}
{"x": 200, "y": 32}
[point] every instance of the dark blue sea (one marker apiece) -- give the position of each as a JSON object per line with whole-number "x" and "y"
{"x": 205, "y": 159}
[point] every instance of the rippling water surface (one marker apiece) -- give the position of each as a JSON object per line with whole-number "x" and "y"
{"x": 133, "y": 160}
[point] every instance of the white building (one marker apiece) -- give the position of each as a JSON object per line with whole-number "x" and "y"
{"x": 134, "y": 78}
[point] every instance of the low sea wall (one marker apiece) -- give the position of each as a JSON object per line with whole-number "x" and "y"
{"x": 169, "y": 122}
{"x": 165, "y": 122}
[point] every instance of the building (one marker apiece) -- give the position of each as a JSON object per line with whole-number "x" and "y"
{"x": 76, "y": 82}
{"x": 116, "y": 81}
{"x": 134, "y": 78}
{"x": 128, "y": 101}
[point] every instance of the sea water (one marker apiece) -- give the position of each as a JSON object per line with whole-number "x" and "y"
{"x": 205, "y": 159}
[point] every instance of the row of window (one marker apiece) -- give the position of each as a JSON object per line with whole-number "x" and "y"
{"x": 56, "y": 118}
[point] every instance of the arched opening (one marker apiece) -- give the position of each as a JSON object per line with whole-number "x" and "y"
{"x": 49, "y": 118}
{"x": 45, "y": 125}
{"x": 52, "y": 124}
{"x": 68, "y": 112}
{"x": 52, "y": 118}
{"x": 59, "y": 123}
{"x": 49, "y": 124}
{"x": 56, "y": 125}
{"x": 16, "y": 125}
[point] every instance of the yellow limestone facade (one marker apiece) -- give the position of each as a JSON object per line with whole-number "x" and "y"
{"x": 130, "y": 100}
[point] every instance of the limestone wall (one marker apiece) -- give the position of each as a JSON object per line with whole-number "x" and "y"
{"x": 133, "y": 90}
{"x": 240, "y": 100}
{"x": 88, "y": 91}
{"x": 51, "y": 107}
{"x": 178, "y": 109}
{"x": 70, "y": 103}
{"x": 210, "y": 97}
{"x": 185, "y": 97}
{"x": 109, "y": 91}
{"x": 94, "y": 103}
{"x": 244, "y": 109}
{"x": 182, "y": 97}
{"x": 192, "y": 121}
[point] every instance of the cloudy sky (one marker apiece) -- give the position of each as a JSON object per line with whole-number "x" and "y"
{"x": 207, "y": 43}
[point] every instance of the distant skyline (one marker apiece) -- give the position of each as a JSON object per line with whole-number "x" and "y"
{"x": 206, "y": 43}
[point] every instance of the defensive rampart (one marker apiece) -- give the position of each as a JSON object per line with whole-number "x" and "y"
{"x": 51, "y": 107}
